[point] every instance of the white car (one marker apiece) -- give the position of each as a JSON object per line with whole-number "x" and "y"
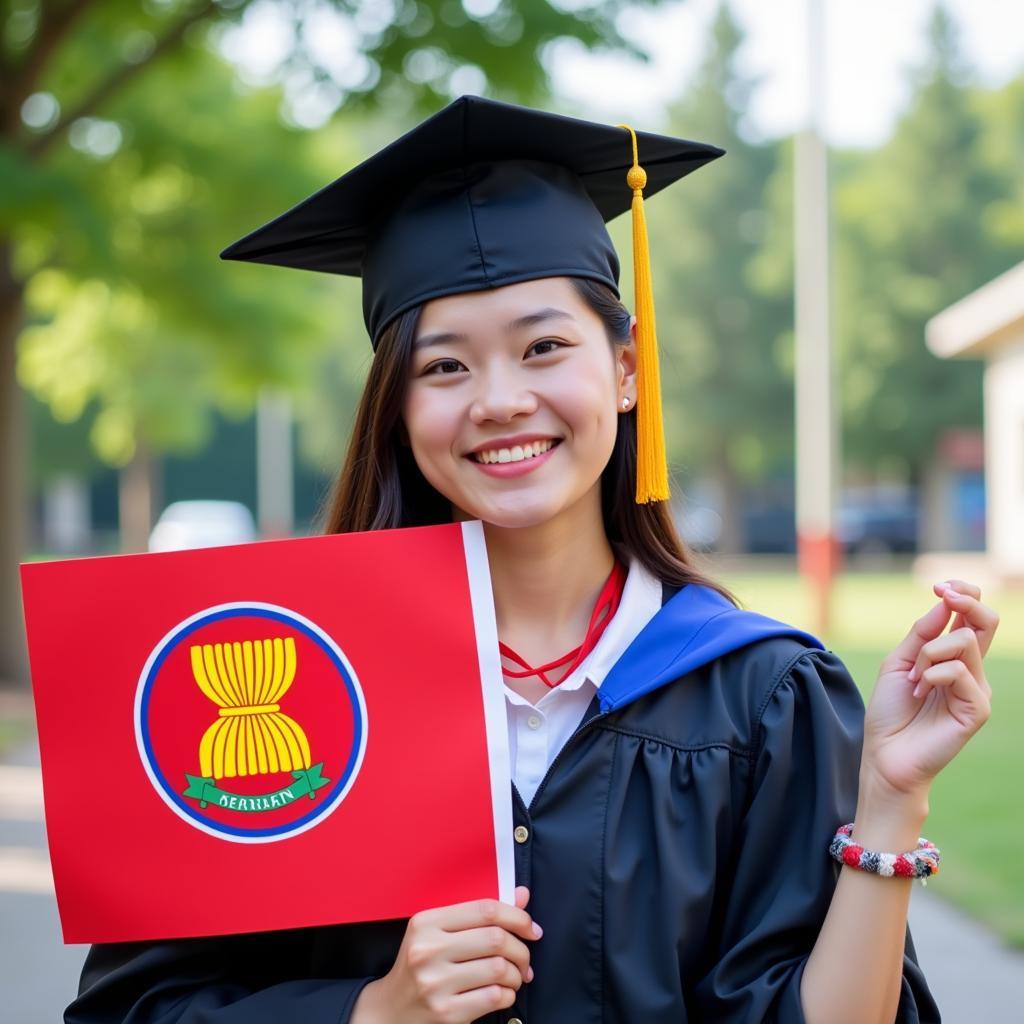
{"x": 202, "y": 524}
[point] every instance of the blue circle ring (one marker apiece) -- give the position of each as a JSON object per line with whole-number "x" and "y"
{"x": 352, "y": 689}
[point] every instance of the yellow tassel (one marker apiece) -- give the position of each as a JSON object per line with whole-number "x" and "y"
{"x": 651, "y": 463}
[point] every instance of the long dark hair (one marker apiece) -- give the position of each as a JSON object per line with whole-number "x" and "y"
{"x": 381, "y": 487}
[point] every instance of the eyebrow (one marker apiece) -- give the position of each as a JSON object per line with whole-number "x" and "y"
{"x": 519, "y": 324}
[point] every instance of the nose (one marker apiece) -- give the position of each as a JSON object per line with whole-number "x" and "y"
{"x": 501, "y": 397}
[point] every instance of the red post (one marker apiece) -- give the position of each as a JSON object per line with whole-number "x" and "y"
{"x": 819, "y": 559}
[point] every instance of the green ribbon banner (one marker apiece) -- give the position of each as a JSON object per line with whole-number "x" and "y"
{"x": 307, "y": 782}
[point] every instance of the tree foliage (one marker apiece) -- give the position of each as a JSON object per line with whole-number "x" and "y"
{"x": 921, "y": 222}
{"x": 724, "y": 336}
{"x": 918, "y": 222}
{"x": 129, "y": 305}
{"x": 131, "y": 152}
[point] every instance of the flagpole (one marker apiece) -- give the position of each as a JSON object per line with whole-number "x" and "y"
{"x": 817, "y": 436}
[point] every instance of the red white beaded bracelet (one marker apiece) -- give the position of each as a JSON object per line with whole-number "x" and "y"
{"x": 920, "y": 863}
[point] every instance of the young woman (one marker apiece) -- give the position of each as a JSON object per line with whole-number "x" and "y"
{"x": 678, "y": 773}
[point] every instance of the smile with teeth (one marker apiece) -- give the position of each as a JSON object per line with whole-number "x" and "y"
{"x": 517, "y": 453}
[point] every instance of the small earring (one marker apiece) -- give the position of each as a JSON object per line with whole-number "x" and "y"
{"x": 625, "y": 403}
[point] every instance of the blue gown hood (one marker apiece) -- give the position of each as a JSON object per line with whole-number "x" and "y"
{"x": 692, "y": 628}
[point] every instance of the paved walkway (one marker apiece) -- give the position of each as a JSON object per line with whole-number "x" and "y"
{"x": 973, "y": 976}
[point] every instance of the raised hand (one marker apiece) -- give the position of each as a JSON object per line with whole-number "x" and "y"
{"x": 931, "y": 695}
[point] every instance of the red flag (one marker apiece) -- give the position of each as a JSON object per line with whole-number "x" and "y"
{"x": 270, "y": 735}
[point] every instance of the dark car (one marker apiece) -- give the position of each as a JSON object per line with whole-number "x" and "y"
{"x": 878, "y": 525}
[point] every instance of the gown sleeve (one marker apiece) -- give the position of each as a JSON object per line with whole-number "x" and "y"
{"x": 804, "y": 775}
{"x": 238, "y": 979}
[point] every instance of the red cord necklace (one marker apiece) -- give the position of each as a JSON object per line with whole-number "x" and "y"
{"x": 607, "y": 601}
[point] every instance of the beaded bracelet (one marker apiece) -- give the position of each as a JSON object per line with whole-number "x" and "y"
{"x": 919, "y": 863}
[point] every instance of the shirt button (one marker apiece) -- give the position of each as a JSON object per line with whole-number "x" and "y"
{"x": 521, "y": 835}
{"x": 534, "y": 723}
{"x": 514, "y": 1020}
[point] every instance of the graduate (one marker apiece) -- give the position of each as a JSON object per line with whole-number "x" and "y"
{"x": 707, "y": 826}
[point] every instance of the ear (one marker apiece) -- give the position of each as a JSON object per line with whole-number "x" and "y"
{"x": 625, "y": 369}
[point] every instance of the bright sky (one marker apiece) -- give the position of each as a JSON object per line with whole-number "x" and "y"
{"x": 869, "y": 44}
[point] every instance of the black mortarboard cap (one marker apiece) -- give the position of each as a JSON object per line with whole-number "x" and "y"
{"x": 485, "y": 194}
{"x": 480, "y": 195}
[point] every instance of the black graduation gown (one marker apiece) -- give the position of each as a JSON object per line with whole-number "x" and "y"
{"x": 676, "y": 856}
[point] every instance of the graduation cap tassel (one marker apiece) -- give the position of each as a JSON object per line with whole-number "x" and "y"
{"x": 651, "y": 462}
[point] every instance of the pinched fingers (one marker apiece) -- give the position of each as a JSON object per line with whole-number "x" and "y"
{"x": 961, "y": 644}
{"x": 924, "y": 630}
{"x": 965, "y": 600}
{"x": 962, "y": 587}
{"x": 971, "y": 705}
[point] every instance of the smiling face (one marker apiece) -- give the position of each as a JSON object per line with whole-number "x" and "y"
{"x": 513, "y": 400}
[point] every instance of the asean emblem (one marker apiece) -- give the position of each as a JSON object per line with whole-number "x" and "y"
{"x": 250, "y": 722}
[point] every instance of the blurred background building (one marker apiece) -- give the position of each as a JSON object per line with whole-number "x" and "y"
{"x": 988, "y": 324}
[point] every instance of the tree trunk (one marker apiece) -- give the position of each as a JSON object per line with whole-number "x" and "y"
{"x": 731, "y": 540}
{"x": 13, "y": 490}
{"x": 137, "y": 499}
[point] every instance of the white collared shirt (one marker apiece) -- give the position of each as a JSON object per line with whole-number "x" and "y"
{"x": 537, "y": 732}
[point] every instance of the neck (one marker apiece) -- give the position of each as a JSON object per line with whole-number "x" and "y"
{"x": 546, "y": 578}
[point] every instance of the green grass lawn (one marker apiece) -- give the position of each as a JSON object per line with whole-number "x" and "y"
{"x": 976, "y": 804}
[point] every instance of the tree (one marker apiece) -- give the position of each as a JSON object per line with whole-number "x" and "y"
{"x": 728, "y": 398}
{"x": 919, "y": 227}
{"x": 113, "y": 118}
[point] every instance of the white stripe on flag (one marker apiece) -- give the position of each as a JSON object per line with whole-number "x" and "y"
{"x": 494, "y": 703}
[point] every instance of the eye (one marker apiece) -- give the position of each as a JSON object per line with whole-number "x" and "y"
{"x": 545, "y": 341}
{"x": 443, "y": 366}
